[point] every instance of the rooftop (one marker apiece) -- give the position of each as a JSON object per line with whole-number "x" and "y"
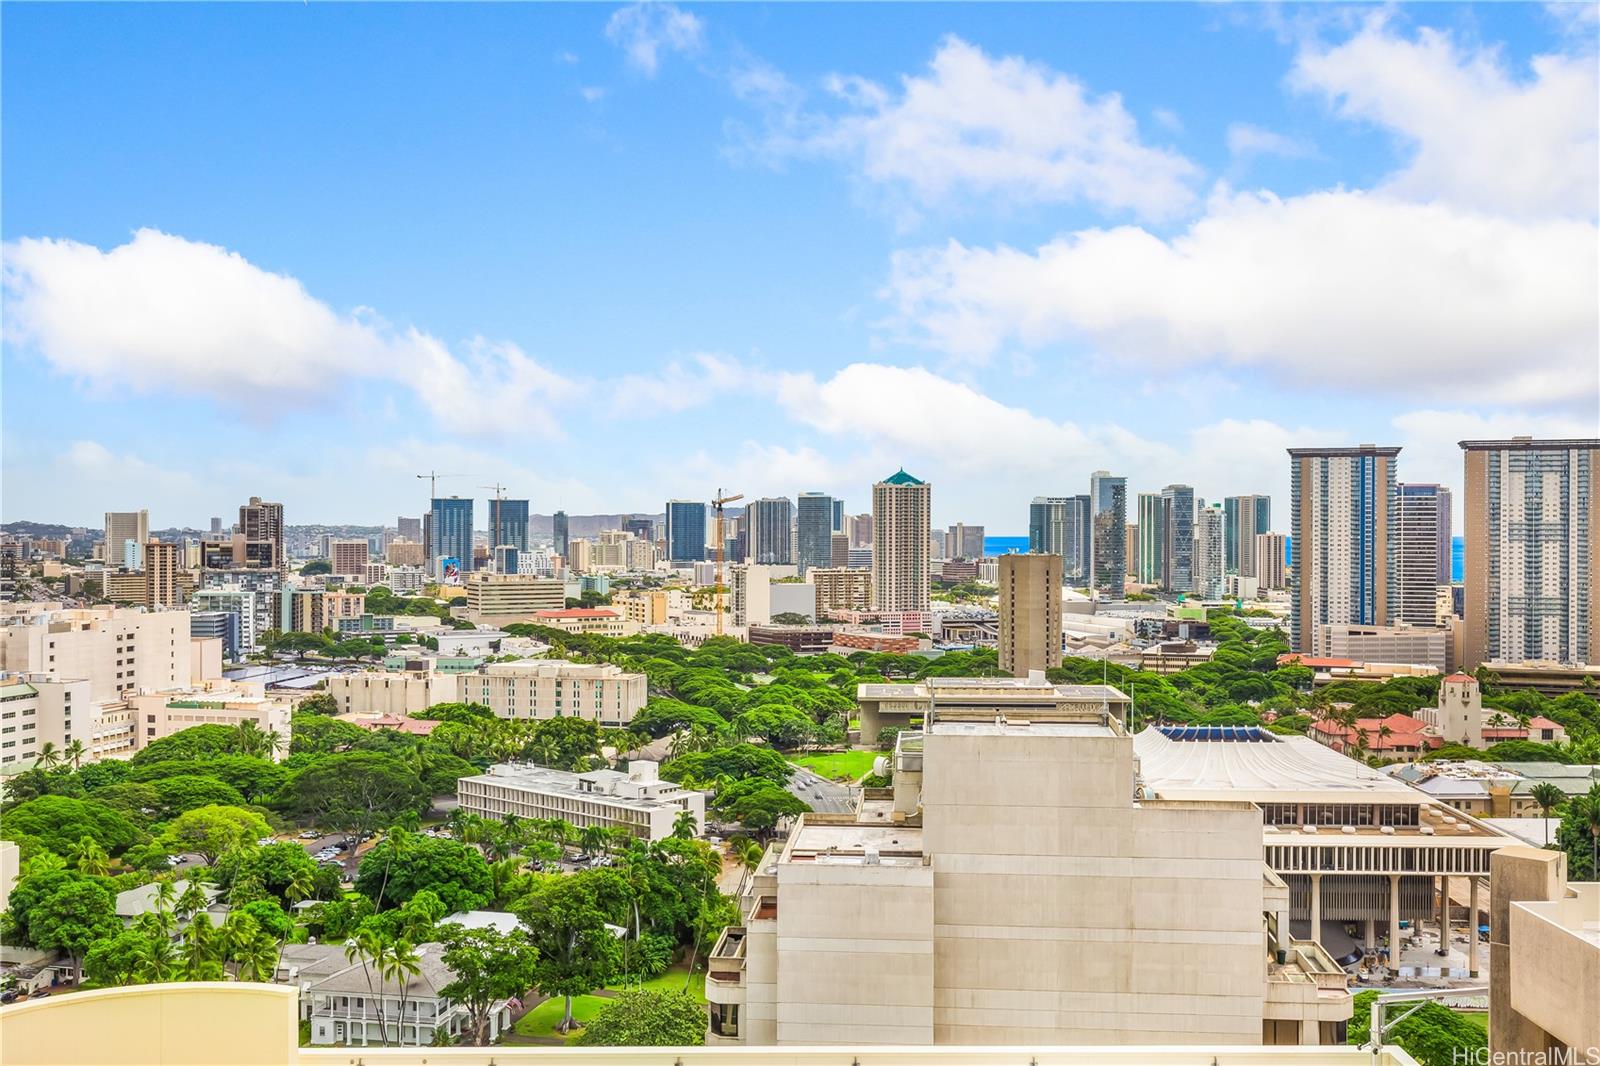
{"x": 577, "y": 612}
{"x": 1271, "y": 769}
{"x": 900, "y": 477}
{"x": 839, "y": 840}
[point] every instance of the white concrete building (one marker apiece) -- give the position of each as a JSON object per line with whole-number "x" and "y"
{"x": 553, "y": 688}
{"x": 636, "y": 800}
{"x": 400, "y": 693}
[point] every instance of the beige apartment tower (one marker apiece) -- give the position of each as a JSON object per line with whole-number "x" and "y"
{"x": 349, "y": 557}
{"x": 122, "y": 527}
{"x": 262, "y": 521}
{"x": 1532, "y": 551}
{"x": 1030, "y": 613}
{"x": 163, "y": 568}
{"x": 901, "y": 510}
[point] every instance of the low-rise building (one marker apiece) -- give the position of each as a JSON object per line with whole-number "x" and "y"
{"x": 885, "y": 705}
{"x": 1422, "y": 645}
{"x": 1398, "y": 737}
{"x": 636, "y": 800}
{"x": 155, "y": 715}
{"x": 502, "y": 599}
{"x": 597, "y": 620}
{"x": 555, "y": 688}
{"x": 400, "y": 693}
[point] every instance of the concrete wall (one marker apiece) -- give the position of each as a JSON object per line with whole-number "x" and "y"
{"x": 1516, "y": 874}
{"x": 1065, "y": 915}
{"x": 856, "y": 948}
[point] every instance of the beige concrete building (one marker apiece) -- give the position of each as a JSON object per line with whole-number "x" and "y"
{"x": 599, "y": 620}
{"x": 398, "y": 693}
{"x": 903, "y": 706}
{"x": 229, "y": 703}
{"x": 262, "y": 523}
{"x": 401, "y": 552}
{"x": 840, "y": 588}
{"x": 1419, "y": 645}
{"x": 163, "y": 568}
{"x": 989, "y": 898}
{"x": 1030, "y": 613}
{"x": 35, "y": 710}
{"x": 122, "y": 527}
{"x": 117, "y": 650}
{"x": 1544, "y": 960}
{"x": 349, "y": 557}
{"x": 552, "y": 688}
{"x": 645, "y": 607}
{"x": 501, "y": 599}
{"x": 901, "y": 510}
{"x": 1531, "y": 562}
{"x": 124, "y": 587}
{"x": 637, "y": 800}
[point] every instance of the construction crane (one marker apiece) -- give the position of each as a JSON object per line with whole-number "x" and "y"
{"x": 717, "y": 503}
{"x": 499, "y": 505}
{"x": 432, "y": 477}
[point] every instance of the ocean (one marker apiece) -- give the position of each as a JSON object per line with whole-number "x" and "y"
{"x": 1002, "y": 545}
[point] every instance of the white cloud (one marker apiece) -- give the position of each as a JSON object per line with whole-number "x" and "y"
{"x": 164, "y": 314}
{"x": 1168, "y": 118}
{"x": 1335, "y": 290}
{"x": 592, "y": 93}
{"x": 681, "y": 385}
{"x": 645, "y": 30}
{"x": 985, "y": 125}
{"x": 1429, "y": 439}
{"x": 1484, "y": 137}
{"x": 1245, "y": 139}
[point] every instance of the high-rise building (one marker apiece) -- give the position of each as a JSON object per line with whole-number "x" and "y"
{"x": 901, "y": 506}
{"x": 163, "y": 563}
{"x": 1177, "y": 531}
{"x": 962, "y": 541}
{"x": 1132, "y": 551}
{"x": 686, "y": 531}
{"x": 508, "y": 523}
{"x": 450, "y": 519}
{"x": 349, "y": 557}
{"x": 1152, "y": 539}
{"x": 643, "y": 528}
{"x": 1531, "y": 565}
{"x": 123, "y": 527}
{"x": 1209, "y": 531}
{"x": 1416, "y": 534}
{"x": 1446, "y": 538}
{"x": 1341, "y": 502}
{"x": 838, "y": 516}
{"x": 262, "y": 522}
{"x": 409, "y": 528}
{"x": 1059, "y": 525}
{"x": 216, "y": 525}
{"x": 558, "y": 533}
{"x": 839, "y": 549}
{"x": 1030, "y": 613}
{"x": 770, "y": 520}
{"x": 814, "y": 525}
{"x": 1108, "y": 542}
{"x": 1270, "y": 551}
{"x": 860, "y": 530}
{"x": 1243, "y": 517}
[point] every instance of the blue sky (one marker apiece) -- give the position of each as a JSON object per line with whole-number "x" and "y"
{"x": 610, "y": 255}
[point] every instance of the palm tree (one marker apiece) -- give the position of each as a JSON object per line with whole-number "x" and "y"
{"x": 401, "y": 962}
{"x": 591, "y": 839}
{"x": 1548, "y": 797}
{"x": 74, "y": 753}
{"x": 301, "y": 885}
{"x": 49, "y": 755}
{"x": 165, "y": 901}
{"x": 747, "y": 852}
{"x": 368, "y": 946}
{"x": 1586, "y": 809}
{"x": 90, "y": 857}
{"x": 258, "y": 959}
{"x": 274, "y": 744}
{"x": 248, "y": 738}
{"x": 201, "y": 942}
{"x": 684, "y": 826}
{"x": 158, "y": 961}
{"x": 192, "y": 902}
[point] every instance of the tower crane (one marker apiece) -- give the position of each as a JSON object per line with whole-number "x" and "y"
{"x": 432, "y": 478}
{"x": 499, "y": 505}
{"x": 717, "y": 503}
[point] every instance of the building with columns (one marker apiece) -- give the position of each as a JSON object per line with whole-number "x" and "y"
{"x": 1353, "y": 844}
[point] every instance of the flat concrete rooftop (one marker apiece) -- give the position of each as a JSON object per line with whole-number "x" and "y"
{"x": 849, "y": 843}
{"x": 1017, "y": 727}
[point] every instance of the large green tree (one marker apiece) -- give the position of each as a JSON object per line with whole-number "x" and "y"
{"x": 356, "y": 790}
{"x": 489, "y": 966}
{"x": 566, "y": 917}
{"x": 71, "y": 919}
{"x": 59, "y": 822}
{"x": 403, "y": 864}
{"x": 648, "y": 1018}
{"x": 211, "y": 831}
{"x": 758, "y": 804}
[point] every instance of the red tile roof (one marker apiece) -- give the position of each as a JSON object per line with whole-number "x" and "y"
{"x": 1459, "y": 676}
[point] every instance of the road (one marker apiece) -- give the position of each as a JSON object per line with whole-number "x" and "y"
{"x": 826, "y": 797}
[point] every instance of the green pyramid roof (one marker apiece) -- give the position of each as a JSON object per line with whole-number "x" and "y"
{"x": 901, "y": 478}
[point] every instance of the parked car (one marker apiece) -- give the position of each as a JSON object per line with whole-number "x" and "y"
{"x": 309, "y": 834}
{"x": 9, "y": 997}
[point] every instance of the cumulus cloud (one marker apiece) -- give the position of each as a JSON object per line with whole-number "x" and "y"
{"x": 1482, "y": 136}
{"x": 646, "y": 30}
{"x": 165, "y": 314}
{"x": 1340, "y": 290}
{"x": 983, "y": 125}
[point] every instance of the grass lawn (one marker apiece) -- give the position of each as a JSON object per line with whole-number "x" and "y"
{"x": 838, "y": 765}
{"x": 672, "y": 981}
{"x": 543, "y": 1019}
{"x": 1478, "y": 1018}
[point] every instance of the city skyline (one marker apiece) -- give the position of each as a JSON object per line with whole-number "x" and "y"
{"x": 460, "y": 314}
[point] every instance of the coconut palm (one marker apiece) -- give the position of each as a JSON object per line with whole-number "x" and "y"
{"x": 234, "y": 936}
{"x": 49, "y": 755}
{"x": 591, "y": 838}
{"x": 685, "y": 826}
{"x": 74, "y": 753}
{"x": 201, "y": 945}
{"x": 746, "y": 852}
{"x": 367, "y": 946}
{"x": 400, "y": 963}
{"x": 1586, "y": 809}
{"x": 192, "y": 902}
{"x": 90, "y": 858}
{"x": 158, "y": 961}
{"x": 258, "y": 959}
{"x": 1548, "y": 797}
{"x": 301, "y": 885}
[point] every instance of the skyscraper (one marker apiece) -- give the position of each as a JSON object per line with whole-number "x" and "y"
{"x": 1416, "y": 536}
{"x": 121, "y": 528}
{"x": 901, "y": 506}
{"x": 1531, "y": 565}
{"x": 643, "y": 528}
{"x": 162, "y": 562}
{"x": 409, "y": 528}
{"x": 1243, "y": 518}
{"x": 1341, "y": 501}
{"x": 1152, "y": 539}
{"x": 962, "y": 541}
{"x": 1446, "y": 539}
{"x": 508, "y": 524}
{"x": 1270, "y": 551}
{"x": 1059, "y": 525}
{"x": 1208, "y": 552}
{"x": 815, "y": 513}
{"x": 1108, "y": 538}
{"x": 838, "y": 516}
{"x": 770, "y": 520}
{"x": 559, "y": 536}
{"x": 686, "y": 531}
{"x": 1177, "y": 531}
{"x": 261, "y": 521}
{"x": 1030, "y": 613}
{"x": 450, "y": 520}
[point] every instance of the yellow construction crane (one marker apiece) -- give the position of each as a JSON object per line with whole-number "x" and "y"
{"x": 717, "y": 503}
